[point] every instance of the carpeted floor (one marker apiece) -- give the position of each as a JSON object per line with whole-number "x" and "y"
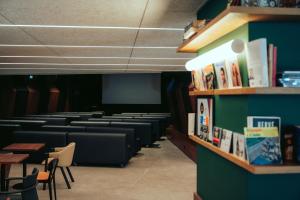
{"x": 155, "y": 174}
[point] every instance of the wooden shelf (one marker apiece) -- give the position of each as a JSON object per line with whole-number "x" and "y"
{"x": 248, "y": 91}
{"x": 280, "y": 169}
{"x": 233, "y": 18}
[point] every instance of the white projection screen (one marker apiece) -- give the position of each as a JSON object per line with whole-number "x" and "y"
{"x": 131, "y": 89}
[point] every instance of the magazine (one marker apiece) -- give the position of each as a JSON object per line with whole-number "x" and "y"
{"x": 209, "y": 77}
{"x": 217, "y": 133}
{"x": 191, "y": 123}
{"x": 226, "y": 140}
{"x": 221, "y": 74}
{"x": 239, "y": 145}
{"x": 204, "y": 118}
{"x": 263, "y": 146}
{"x": 233, "y": 72}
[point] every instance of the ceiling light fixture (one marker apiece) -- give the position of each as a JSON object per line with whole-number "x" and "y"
{"x": 94, "y": 57}
{"x": 89, "y": 64}
{"x": 88, "y": 46}
{"x": 90, "y": 27}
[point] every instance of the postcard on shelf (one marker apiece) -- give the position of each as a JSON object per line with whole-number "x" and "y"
{"x": 263, "y": 146}
{"x": 191, "y": 123}
{"x": 239, "y": 148}
{"x": 209, "y": 76}
{"x": 233, "y": 73}
{"x": 204, "y": 118}
{"x": 226, "y": 140}
{"x": 217, "y": 133}
{"x": 221, "y": 75}
{"x": 257, "y": 63}
{"x": 264, "y": 121}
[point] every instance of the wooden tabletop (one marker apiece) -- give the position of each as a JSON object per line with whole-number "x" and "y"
{"x": 12, "y": 158}
{"x": 26, "y": 147}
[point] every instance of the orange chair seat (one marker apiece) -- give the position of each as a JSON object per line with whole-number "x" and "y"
{"x": 43, "y": 176}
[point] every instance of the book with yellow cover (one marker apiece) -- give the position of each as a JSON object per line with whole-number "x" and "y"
{"x": 263, "y": 146}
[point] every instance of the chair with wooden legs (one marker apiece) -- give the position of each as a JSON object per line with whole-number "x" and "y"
{"x": 48, "y": 176}
{"x": 65, "y": 159}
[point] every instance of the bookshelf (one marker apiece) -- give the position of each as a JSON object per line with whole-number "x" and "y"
{"x": 223, "y": 172}
{"x": 232, "y": 18}
{"x": 248, "y": 91}
{"x": 280, "y": 169}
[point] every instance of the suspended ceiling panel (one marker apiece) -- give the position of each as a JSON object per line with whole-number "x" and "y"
{"x": 78, "y": 34}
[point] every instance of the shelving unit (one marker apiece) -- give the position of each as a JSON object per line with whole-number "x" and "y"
{"x": 280, "y": 169}
{"x": 248, "y": 91}
{"x": 233, "y": 18}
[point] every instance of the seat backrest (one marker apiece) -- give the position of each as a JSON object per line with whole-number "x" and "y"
{"x": 66, "y": 155}
{"x": 30, "y": 181}
{"x": 51, "y": 168}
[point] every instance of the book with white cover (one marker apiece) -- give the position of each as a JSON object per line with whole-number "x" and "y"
{"x": 239, "y": 148}
{"x": 226, "y": 140}
{"x": 204, "y": 118}
{"x": 221, "y": 74}
{"x": 257, "y": 63}
{"x": 191, "y": 123}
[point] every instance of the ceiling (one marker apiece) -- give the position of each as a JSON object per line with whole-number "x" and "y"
{"x": 93, "y": 36}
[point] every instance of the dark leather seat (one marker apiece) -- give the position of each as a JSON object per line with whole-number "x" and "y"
{"x": 68, "y": 117}
{"x": 51, "y": 140}
{"x": 7, "y": 133}
{"x": 135, "y": 142}
{"x": 63, "y": 128}
{"x": 105, "y": 120}
{"x": 89, "y": 123}
{"x": 100, "y": 149}
{"x": 25, "y": 124}
{"x": 162, "y": 120}
{"x": 49, "y": 120}
{"x": 142, "y": 130}
{"x": 156, "y": 129}
{"x": 117, "y": 117}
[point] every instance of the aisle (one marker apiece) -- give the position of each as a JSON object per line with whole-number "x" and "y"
{"x": 155, "y": 174}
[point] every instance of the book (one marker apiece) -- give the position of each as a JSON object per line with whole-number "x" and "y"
{"x": 233, "y": 73}
{"x": 263, "y": 146}
{"x": 264, "y": 121}
{"x": 257, "y": 63}
{"x": 221, "y": 74}
{"x": 239, "y": 145}
{"x": 209, "y": 76}
{"x": 191, "y": 123}
{"x": 192, "y": 28}
{"x": 204, "y": 118}
{"x": 289, "y": 152}
{"x": 274, "y": 67}
{"x": 297, "y": 143}
{"x": 217, "y": 133}
{"x": 226, "y": 140}
{"x": 270, "y": 63}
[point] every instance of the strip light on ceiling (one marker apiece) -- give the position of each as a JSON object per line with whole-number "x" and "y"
{"x": 88, "y": 46}
{"x": 77, "y": 64}
{"x": 90, "y": 27}
{"x": 225, "y": 51}
{"x": 94, "y": 57}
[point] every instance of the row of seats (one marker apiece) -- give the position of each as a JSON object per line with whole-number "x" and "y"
{"x": 101, "y": 140}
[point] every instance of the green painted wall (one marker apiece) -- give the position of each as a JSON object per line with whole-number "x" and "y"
{"x": 217, "y": 178}
{"x": 285, "y": 35}
{"x": 211, "y": 9}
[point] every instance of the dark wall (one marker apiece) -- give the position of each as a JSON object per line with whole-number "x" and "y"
{"x": 20, "y": 95}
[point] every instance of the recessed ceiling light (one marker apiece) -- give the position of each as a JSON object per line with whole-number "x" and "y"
{"x": 87, "y": 46}
{"x": 90, "y": 27}
{"x": 95, "y": 57}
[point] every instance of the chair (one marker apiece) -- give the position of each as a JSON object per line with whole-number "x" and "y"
{"x": 65, "y": 157}
{"x": 28, "y": 191}
{"x": 48, "y": 176}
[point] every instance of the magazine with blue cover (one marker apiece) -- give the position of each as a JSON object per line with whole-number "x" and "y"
{"x": 263, "y": 146}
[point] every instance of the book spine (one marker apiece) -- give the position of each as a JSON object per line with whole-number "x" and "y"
{"x": 274, "y": 66}
{"x": 270, "y": 64}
